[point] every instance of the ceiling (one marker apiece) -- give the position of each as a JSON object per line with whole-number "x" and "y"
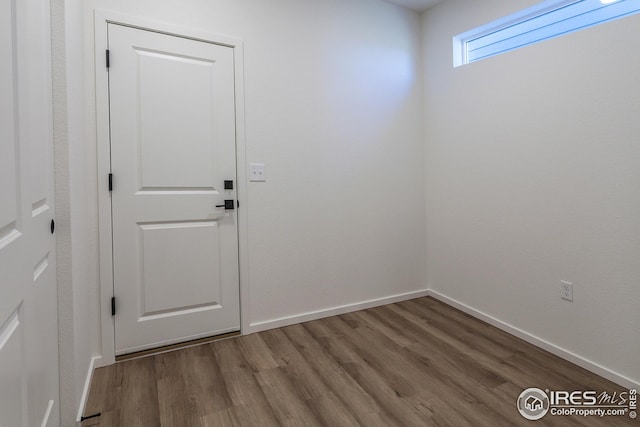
{"x": 418, "y": 5}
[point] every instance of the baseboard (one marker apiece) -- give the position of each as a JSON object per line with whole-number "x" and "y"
{"x": 539, "y": 342}
{"x": 87, "y": 386}
{"x": 334, "y": 311}
{"x": 47, "y": 414}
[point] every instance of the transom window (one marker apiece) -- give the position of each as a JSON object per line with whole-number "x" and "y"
{"x": 549, "y": 19}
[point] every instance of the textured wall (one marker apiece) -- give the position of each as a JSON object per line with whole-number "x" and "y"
{"x": 76, "y": 213}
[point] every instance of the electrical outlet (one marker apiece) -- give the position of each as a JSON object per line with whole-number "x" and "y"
{"x": 566, "y": 290}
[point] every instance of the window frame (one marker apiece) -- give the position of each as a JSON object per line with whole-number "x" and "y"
{"x": 460, "y": 41}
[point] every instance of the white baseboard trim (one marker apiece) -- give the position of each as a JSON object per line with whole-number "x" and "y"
{"x": 539, "y": 342}
{"x": 334, "y": 311}
{"x": 87, "y": 386}
{"x": 47, "y": 415}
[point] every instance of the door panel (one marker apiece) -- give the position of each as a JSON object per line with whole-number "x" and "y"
{"x": 28, "y": 293}
{"x": 175, "y": 254}
{"x": 11, "y": 243}
{"x": 163, "y": 247}
{"x": 8, "y": 208}
{"x": 8, "y": 196}
{"x": 175, "y": 121}
{"x": 11, "y": 386}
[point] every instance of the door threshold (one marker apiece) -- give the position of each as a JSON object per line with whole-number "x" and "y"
{"x": 177, "y": 346}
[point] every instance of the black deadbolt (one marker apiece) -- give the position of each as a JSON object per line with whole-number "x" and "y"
{"x": 228, "y": 185}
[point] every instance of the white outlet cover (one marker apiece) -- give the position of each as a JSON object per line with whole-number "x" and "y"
{"x": 566, "y": 290}
{"x": 257, "y": 172}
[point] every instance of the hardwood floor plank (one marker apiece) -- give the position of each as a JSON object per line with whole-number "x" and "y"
{"x": 376, "y": 357}
{"x": 441, "y": 340}
{"x": 384, "y": 387}
{"x": 174, "y": 405}
{"x": 307, "y": 383}
{"x": 242, "y": 386}
{"x": 447, "y": 359}
{"x": 467, "y": 357}
{"x": 106, "y": 389}
{"x": 140, "y": 406}
{"x": 455, "y": 385}
{"x": 500, "y": 338}
{"x": 250, "y": 406}
{"x": 363, "y": 407}
{"x": 533, "y": 360}
{"x": 413, "y": 368}
{"x": 391, "y": 330}
{"x": 321, "y": 399}
{"x": 290, "y": 409}
{"x": 223, "y": 418}
{"x": 455, "y": 353}
{"x": 204, "y": 383}
{"x": 414, "y": 363}
{"x": 331, "y": 412}
{"x": 461, "y": 324}
{"x": 462, "y": 332}
{"x": 259, "y": 413}
{"x": 256, "y": 352}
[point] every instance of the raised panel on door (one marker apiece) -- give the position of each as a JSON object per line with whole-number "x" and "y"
{"x": 41, "y": 341}
{"x": 162, "y": 248}
{"x": 10, "y": 233}
{"x": 176, "y": 93}
{"x": 175, "y": 254}
{"x": 12, "y": 403}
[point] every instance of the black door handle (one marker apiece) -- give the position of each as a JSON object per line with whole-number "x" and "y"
{"x": 228, "y": 205}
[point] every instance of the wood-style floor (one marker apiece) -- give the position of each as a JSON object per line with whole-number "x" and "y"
{"x": 415, "y": 363}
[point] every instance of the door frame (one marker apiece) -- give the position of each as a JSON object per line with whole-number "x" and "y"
{"x": 101, "y": 19}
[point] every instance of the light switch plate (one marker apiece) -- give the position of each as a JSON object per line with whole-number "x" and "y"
{"x": 257, "y": 172}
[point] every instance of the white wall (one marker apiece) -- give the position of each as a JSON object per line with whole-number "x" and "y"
{"x": 63, "y": 215}
{"x": 333, "y": 107}
{"x": 76, "y": 215}
{"x": 532, "y": 173}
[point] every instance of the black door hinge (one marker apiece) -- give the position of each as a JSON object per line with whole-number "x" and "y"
{"x": 113, "y": 306}
{"x": 110, "y": 182}
{"x": 107, "y": 57}
{"x": 53, "y": 226}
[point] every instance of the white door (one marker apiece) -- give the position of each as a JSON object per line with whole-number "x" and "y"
{"x": 175, "y": 249}
{"x": 28, "y": 297}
